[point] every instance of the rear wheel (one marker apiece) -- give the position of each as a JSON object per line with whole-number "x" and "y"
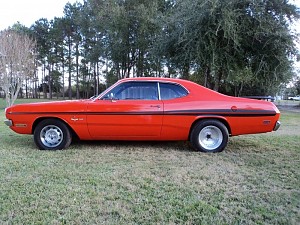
{"x": 209, "y": 136}
{"x": 52, "y": 134}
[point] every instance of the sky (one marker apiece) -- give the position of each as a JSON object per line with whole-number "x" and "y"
{"x": 29, "y": 11}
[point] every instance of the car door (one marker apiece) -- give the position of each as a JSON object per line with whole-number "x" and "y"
{"x": 177, "y": 122}
{"x": 131, "y": 110}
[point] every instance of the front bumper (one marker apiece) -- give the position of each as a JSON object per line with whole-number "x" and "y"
{"x": 8, "y": 122}
{"x": 277, "y": 125}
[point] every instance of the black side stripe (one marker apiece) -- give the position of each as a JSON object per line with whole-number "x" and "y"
{"x": 225, "y": 112}
{"x": 215, "y": 112}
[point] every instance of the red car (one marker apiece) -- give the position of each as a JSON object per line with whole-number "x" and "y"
{"x": 157, "y": 109}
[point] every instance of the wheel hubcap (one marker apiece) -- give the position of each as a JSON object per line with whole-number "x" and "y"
{"x": 51, "y": 136}
{"x": 210, "y": 137}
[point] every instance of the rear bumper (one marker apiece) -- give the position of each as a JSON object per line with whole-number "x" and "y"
{"x": 277, "y": 125}
{"x": 8, "y": 122}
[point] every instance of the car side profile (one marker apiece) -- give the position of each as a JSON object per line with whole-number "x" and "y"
{"x": 295, "y": 98}
{"x": 136, "y": 109}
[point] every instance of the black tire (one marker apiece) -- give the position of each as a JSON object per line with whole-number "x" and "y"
{"x": 209, "y": 136}
{"x": 52, "y": 134}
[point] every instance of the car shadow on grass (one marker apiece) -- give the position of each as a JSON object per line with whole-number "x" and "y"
{"x": 235, "y": 145}
{"x": 183, "y": 146}
{"x": 240, "y": 145}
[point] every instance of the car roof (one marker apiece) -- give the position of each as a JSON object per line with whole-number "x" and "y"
{"x": 161, "y": 79}
{"x": 151, "y": 79}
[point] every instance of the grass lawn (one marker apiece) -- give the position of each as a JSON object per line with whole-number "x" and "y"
{"x": 256, "y": 180}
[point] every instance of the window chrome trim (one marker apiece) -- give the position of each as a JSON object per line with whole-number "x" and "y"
{"x": 101, "y": 95}
{"x": 158, "y": 91}
{"x": 154, "y": 83}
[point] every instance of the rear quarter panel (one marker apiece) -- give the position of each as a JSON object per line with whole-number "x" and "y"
{"x": 242, "y": 116}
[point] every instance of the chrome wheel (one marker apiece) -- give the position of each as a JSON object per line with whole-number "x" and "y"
{"x": 51, "y": 136}
{"x": 210, "y": 137}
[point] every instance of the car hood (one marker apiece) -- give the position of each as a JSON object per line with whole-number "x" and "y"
{"x": 50, "y": 107}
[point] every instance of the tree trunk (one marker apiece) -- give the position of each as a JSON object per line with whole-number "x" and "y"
{"x": 70, "y": 69}
{"x": 43, "y": 80}
{"x": 218, "y": 79}
{"x": 77, "y": 72}
{"x": 206, "y": 76}
{"x": 26, "y": 88}
{"x": 185, "y": 71}
{"x": 50, "y": 81}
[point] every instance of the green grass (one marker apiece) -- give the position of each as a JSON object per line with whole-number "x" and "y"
{"x": 255, "y": 180}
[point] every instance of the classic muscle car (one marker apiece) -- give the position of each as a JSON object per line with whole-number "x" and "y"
{"x": 156, "y": 109}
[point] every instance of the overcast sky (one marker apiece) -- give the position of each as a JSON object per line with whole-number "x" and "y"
{"x": 29, "y": 11}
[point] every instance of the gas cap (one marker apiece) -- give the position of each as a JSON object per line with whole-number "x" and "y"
{"x": 234, "y": 108}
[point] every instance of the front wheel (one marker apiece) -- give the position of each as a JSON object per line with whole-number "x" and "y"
{"x": 52, "y": 134}
{"x": 209, "y": 136}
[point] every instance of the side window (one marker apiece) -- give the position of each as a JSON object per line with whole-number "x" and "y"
{"x": 171, "y": 91}
{"x": 134, "y": 91}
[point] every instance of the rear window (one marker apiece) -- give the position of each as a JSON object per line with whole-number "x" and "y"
{"x": 171, "y": 91}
